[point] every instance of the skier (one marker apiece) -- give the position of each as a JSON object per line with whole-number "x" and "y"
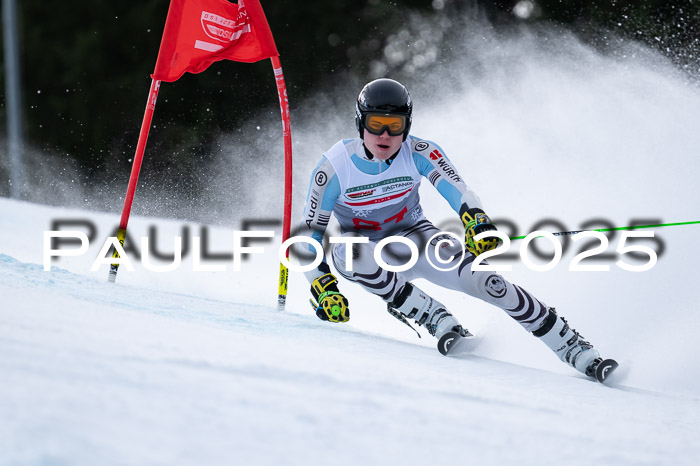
{"x": 371, "y": 185}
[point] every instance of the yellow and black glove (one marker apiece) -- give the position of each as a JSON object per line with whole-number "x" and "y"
{"x": 476, "y": 221}
{"x": 330, "y": 304}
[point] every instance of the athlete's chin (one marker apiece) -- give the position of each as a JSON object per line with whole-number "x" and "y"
{"x": 382, "y": 152}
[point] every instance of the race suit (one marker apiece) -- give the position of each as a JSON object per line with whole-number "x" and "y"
{"x": 377, "y": 199}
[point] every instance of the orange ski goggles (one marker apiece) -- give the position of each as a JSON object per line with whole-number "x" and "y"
{"x": 377, "y": 123}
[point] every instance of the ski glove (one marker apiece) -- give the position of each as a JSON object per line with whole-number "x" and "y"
{"x": 476, "y": 221}
{"x": 330, "y": 304}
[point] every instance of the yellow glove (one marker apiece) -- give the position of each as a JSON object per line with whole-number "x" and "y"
{"x": 476, "y": 221}
{"x": 331, "y": 305}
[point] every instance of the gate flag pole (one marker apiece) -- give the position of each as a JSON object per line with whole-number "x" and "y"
{"x": 287, "y": 133}
{"x": 134, "y": 177}
{"x": 198, "y": 33}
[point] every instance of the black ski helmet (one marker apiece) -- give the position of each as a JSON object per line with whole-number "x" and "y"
{"x": 383, "y": 96}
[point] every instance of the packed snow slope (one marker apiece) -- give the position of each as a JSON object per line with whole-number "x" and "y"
{"x": 191, "y": 367}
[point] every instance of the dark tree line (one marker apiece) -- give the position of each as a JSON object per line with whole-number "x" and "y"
{"x": 86, "y": 65}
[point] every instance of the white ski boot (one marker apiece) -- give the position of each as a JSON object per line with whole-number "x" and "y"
{"x": 568, "y": 345}
{"x": 413, "y": 303}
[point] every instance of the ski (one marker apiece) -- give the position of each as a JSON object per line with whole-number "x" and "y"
{"x": 453, "y": 343}
{"x": 604, "y": 369}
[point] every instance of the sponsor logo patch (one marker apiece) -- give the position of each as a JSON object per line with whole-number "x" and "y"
{"x": 422, "y": 146}
{"x": 313, "y": 206}
{"x": 448, "y": 171}
{"x": 218, "y": 27}
{"x": 495, "y": 286}
{"x": 382, "y": 191}
{"x": 321, "y": 178}
{"x": 221, "y": 29}
{"x": 481, "y": 218}
{"x": 361, "y": 194}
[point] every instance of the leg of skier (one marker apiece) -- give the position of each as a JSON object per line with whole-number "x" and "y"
{"x": 534, "y": 316}
{"x": 394, "y": 288}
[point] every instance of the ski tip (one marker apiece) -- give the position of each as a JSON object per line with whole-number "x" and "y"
{"x": 605, "y": 369}
{"x": 446, "y": 342}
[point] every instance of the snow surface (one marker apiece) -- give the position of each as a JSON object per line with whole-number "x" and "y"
{"x": 191, "y": 367}
{"x": 163, "y": 371}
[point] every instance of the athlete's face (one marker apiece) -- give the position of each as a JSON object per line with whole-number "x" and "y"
{"x": 384, "y": 145}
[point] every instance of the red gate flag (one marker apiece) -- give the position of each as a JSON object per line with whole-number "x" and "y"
{"x": 199, "y": 32}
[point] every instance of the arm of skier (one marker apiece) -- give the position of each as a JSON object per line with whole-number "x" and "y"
{"x": 324, "y": 190}
{"x": 433, "y": 164}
